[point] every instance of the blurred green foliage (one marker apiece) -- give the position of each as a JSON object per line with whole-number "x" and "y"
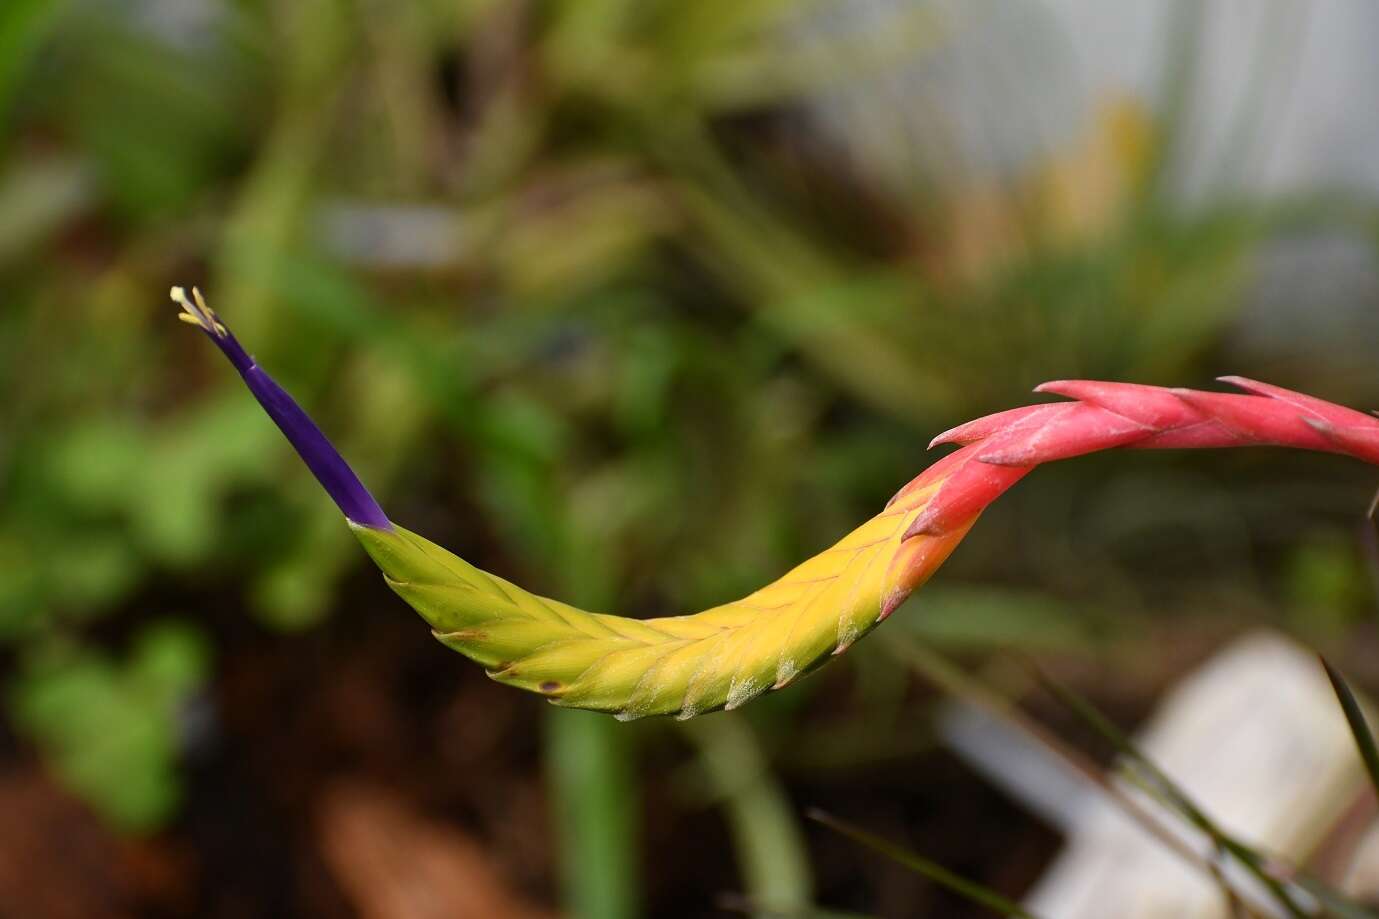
{"x": 583, "y": 288}
{"x": 112, "y": 728}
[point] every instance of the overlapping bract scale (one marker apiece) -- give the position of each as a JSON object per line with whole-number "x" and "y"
{"x": 680, "y": 665}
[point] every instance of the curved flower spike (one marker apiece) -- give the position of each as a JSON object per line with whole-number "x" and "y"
{"x": 727, "y": 655}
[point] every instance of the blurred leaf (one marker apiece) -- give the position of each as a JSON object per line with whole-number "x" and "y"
{"x": 804, "y": 62}
{"x": 770, "y": 847}
{"x": 991, "y": 617}
{"x": 156, "y": 121}
{"x": 23, "y": 25}
{"x": 585, "y": 242}
{"x": 112, "y": 729}
{"x": 295, "y": 590}
{"x": 169, "y": 659}
{"x": 37, "y": 197}
{"x": 96, "y": 571}
{"x": 94, "y": 462}
{"x": 1325, "y": 583}
{"x": 175, "y": 497}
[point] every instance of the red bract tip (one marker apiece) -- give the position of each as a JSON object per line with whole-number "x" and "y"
{"x": 1330, "y": 411}
{"x": 999, "y": 449}
{"x": 1153, "y": 407}
{"x": 1256, "y": 419}
{"x": 1076, "y": 429}
{"x": 965, "y": 492}
{"x": 1360, "y": 442}
{"x": 982, "y": 428}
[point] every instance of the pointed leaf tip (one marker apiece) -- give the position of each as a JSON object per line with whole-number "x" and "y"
{"x": 892, "y": 603}
{"x": 1355, "y": 718}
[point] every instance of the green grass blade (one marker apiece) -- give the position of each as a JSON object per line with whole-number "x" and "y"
{"x": 770, "y": 849}
{"x": 593, "y": 790}
{"x": 935, "y": 872}
{"x": 1359, "y": 727}
{"x": 1335, "y": 905}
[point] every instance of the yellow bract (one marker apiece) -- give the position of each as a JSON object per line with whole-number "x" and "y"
{"x": 681, "y": 665}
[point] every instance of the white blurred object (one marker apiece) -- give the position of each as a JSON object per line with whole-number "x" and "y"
{"x": 393, "y": 237}
{"x": 1257, "y": 739}
{"x": 1278, "y": 101}
{"x": 1294, "y": 72}
{"x": 1362, "y": 877}
{"x": 1254, "y": 737}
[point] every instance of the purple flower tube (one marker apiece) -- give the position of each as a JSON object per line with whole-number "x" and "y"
{"x": 319, "y": 454}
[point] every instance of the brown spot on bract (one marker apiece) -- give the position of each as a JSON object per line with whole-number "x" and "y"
{"x": 461, "y": 635}
{"x": 550, "y": 686}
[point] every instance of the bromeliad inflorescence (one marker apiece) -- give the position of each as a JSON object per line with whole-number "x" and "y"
{"x": 724, "y": 656}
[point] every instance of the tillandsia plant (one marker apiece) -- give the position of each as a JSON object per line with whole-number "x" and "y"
{"x": 724, "y": 656}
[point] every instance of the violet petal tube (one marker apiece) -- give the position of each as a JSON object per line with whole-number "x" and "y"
{"x": 319, "y": 454}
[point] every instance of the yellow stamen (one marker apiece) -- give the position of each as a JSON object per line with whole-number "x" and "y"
{"x": 198, "y": 313}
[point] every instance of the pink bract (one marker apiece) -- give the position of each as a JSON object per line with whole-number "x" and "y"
{"x": 999, "y": 449}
